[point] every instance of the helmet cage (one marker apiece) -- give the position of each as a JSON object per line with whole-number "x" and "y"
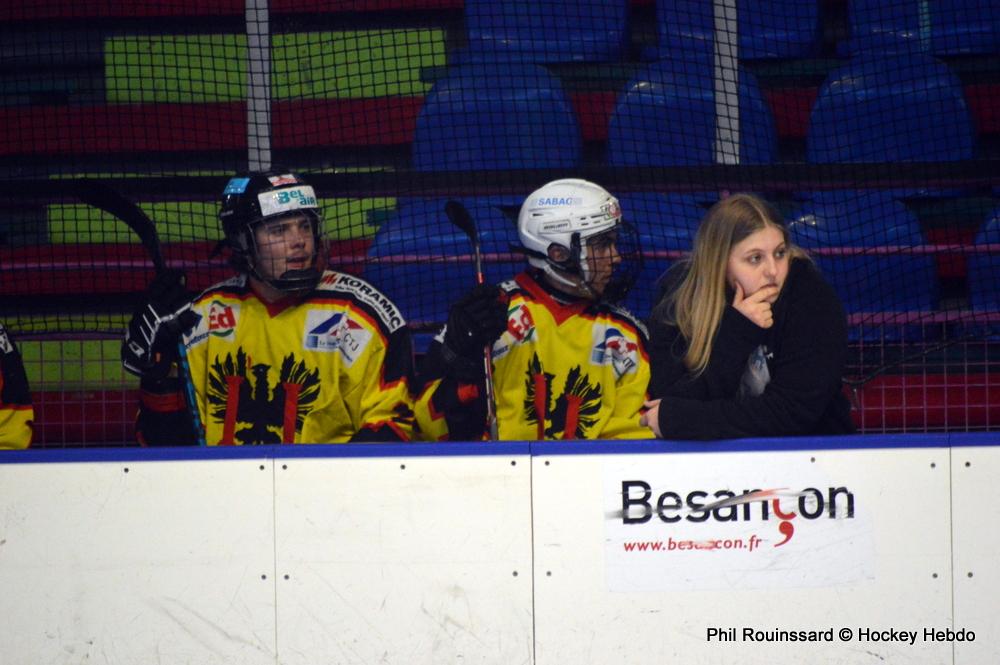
{"x": 291, "y": 281}
{"x": 629, "y": 266}
{"x": 625, "y": 272}
{"x": 250, "y": 200}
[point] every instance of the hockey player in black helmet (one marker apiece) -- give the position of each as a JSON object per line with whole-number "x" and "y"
{"x": 287, "y": 351}
{"x": 567, "y": 362}
{"x": 272, "y": 224}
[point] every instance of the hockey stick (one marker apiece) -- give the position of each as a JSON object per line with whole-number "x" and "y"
{"x": 460, "y": 217}
{"x": 99, "y": 195}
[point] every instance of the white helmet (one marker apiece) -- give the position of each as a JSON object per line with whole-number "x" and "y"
{"x": 567, "y": 213}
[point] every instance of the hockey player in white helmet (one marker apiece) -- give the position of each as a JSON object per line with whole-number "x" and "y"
{"x": 571, "y": 230}
{"x": 567, "y": 361}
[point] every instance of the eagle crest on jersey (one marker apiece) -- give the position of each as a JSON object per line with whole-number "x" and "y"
{"x": 571, "y": 414}
{"x": 252, "y": 411}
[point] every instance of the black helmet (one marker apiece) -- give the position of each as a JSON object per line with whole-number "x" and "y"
{"x": 252, "y": 198}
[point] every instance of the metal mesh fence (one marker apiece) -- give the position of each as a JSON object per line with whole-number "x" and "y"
{"x": 873, "y": 126}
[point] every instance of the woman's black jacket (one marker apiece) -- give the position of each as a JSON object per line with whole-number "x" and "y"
{"x": 806, "y": 355}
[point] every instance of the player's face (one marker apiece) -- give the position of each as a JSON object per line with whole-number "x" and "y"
{"x": 757, "y": 261}
{"x": 284, "y": 244}
{"x": 602, "y": 258}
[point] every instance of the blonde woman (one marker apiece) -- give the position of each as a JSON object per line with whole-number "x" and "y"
{"x": 747, "y": 339}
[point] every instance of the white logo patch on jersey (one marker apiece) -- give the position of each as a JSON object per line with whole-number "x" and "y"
{"x": 612, "y": 347}
{"x": 520, "y": 330}
{"x": 222, "y": 318}
{"x": 368, "y": 294}
{"x": 327, "y": 331}
{"x": 5, "y": 344}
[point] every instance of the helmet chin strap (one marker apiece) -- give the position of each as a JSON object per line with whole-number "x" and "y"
{"x": 563, "y": 277}
{"x": 297, "y": 281}
{"x": 575, "y": 285}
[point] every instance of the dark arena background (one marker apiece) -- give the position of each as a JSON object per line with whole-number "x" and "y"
{"x": 873, "y": 125}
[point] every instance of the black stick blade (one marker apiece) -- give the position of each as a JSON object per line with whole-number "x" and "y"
{"x": 460, "y": 217}
{"x": 101, "y": 196}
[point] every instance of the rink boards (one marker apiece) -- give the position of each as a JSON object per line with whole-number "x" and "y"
{"x": 846, "y": 550}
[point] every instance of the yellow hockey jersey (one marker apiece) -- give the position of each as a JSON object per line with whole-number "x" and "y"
{"x": 328, "y": 368}
{"x": 16, "y": 413}
{"x": 560, "y": 371}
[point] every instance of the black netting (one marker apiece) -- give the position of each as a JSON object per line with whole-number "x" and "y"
{"x": 874, "y": 126}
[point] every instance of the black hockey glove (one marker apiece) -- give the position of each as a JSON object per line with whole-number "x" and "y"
{"x": 476, "y": 321}
{"x": 150, "y": 345}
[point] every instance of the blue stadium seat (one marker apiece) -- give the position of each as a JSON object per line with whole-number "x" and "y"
{"x": 942, "y": 27}
{"x": 984, "y": 269}
{"x": 869, "y": 283}
{"x": 490, "y": 116}
{"x": 412, "y": 256}
{"x": 546, "y": 31}
{"x": 666, "y": 223}
{"x": 885, "y": 27}
{"x": 767, "y": 28}
{"x": 666, "y": 116}
{"x": 880, "y": 108}
{"x": 960, "y": 27}
{"x": 898, "y": 108}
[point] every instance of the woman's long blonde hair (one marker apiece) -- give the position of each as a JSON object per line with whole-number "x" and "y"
{"x": 696, "y": 306}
